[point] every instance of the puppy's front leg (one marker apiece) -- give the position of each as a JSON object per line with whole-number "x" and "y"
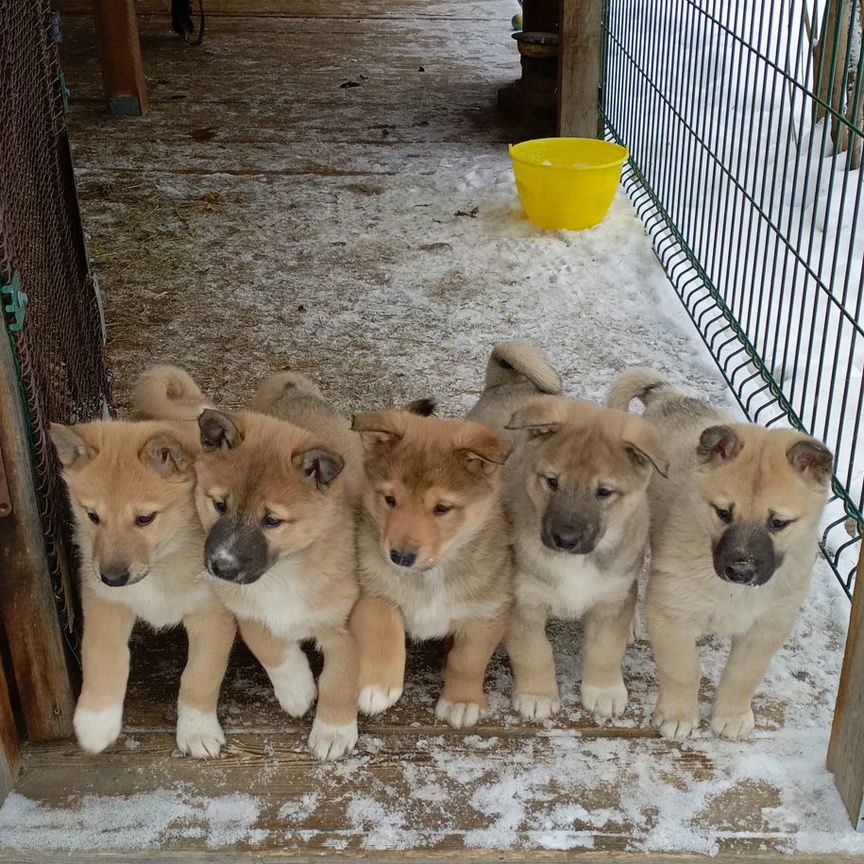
{"x": 462, "y": 701}
{"x": 211, "y": 632}
{"x": 535, "y": 690}
{"x": 286, "y": 665}
{"x": 748, "y": 661}
{"x": 334, "y": 732}
{"x": 607, "y": 630}
{"x": 105, "y": 666}
{"x": 673, "y": 641}
{"x": 379, "y": 630}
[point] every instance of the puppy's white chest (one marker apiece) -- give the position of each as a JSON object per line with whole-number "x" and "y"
{"x": 162, "y": 600}
{"x": 572, "y": 585}
{"x": 432, "y": 613}
{"x": 277, "y": 600}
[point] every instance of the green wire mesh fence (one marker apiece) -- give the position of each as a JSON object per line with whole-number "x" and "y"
{"x": 745, "y": 124}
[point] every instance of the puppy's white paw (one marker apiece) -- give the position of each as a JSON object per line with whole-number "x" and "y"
{"x": 374, "y": 699}
{"x": 332, "y": 742}
{"x": 534, "y": 707}
{"x": 459, "y": 714}
{"x": 96, "y": 730}
{"x": 293, "y": 683}
{"x": 675, "y": 723}
{"x": 605, "y": 701}
{"x": 198, "y": 733}
{"x": 734, "y": 725}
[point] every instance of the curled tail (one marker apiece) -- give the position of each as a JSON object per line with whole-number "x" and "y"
{"x": 285, "y": 384}
{"x": 638, "y": 382}
{"x": 167, "y": 393}
{"x": 512, "y": 362}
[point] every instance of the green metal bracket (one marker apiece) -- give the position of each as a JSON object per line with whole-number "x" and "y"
{"x": 15, "y": 302}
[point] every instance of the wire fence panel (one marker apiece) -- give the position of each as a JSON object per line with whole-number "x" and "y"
{"x": 745, "y": 124}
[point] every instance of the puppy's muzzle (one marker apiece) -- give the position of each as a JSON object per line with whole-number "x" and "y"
{"x": 403, "y": 557}
{"x": 574, "y": 537}
{"x": 745, "y": 555}
{"x": 236, "y": 551}
{"x": 115, "y": 576}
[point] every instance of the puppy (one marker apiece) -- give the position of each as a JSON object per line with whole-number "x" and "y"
{"x": 576, "y": 492}
{"x": 734, "y": 538}
{"x": 131, "y": 488}
{"x": 275, "y": 493}
{"x": 434, "y": 556}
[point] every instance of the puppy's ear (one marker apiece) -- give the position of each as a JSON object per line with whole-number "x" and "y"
{"x": 218, "y": 431}
{"x": 422, "y": 407}
{"x": 540, "y": 418}
{"x": 811, "y": 460}
{"x": 483, "y": 451}
{"x": 72, "y": 448}
{"x": 379, "y": 430}
{"x": 642, "y": 442}
{"x": 719, "y": 444}
{"x": 318, "y": 466}
{"x": 165, "y": 455}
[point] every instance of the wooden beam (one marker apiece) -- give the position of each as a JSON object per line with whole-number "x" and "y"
{"x": 36, "y": 648}
{"x": 120, "y": 52}
{"x": 579, "y": 69}
{"x": 846, "y": 748}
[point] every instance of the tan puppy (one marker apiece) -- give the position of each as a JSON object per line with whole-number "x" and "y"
{"x": 131, "y": 486}
{"x": 576, "y": 494}
{"x": 277, "y": 501}
{"x": 434, "y": 556}
{"x": 734, "y": 537}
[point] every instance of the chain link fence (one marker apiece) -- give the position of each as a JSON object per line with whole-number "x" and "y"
{"x": 50, "y": 304}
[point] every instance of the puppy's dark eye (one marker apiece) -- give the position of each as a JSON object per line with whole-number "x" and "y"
{"x": 604, "y": 492}
{"x": 219, "y": 505}
{"x": 723, "y": 514}
{"x": 778, "y": 524}
{"x": 441, "y": 509}
{"x": 551, "y": 482}
{"x": 93, "y": 517}
{"x": 271, "y": 521}
{"x": 145, "y": 519}
{"x": 389, "y": 500}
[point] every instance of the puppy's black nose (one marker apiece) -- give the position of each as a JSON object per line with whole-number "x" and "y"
{"x": 222, "y": 568}
{"x": 116, "y": 577}
{"x": 574, "y": 538}
{"x": 403, "y": 557}
{"x": 740, "y": 572}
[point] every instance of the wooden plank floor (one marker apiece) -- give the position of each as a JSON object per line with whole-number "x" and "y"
{"x": 233, "y": 231}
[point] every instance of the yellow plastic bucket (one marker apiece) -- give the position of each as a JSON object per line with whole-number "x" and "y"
{"x": 567, "y": 183}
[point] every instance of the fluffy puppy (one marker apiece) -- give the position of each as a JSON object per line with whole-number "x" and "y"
{"x": 733, "y": 538}
{"x": 131, "y": 488}
{"x": 576, "y": 489}
{"x": 434, "y": 556}
{"x": 275, "y": 493}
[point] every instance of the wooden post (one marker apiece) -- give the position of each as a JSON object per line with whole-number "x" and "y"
{"x": 579, "y": 69}
{"x": 10, "y": 746}
{"x": 846, "y": 748}
{"x": 120, "y": 52}
{"x": 36, "y": 649}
